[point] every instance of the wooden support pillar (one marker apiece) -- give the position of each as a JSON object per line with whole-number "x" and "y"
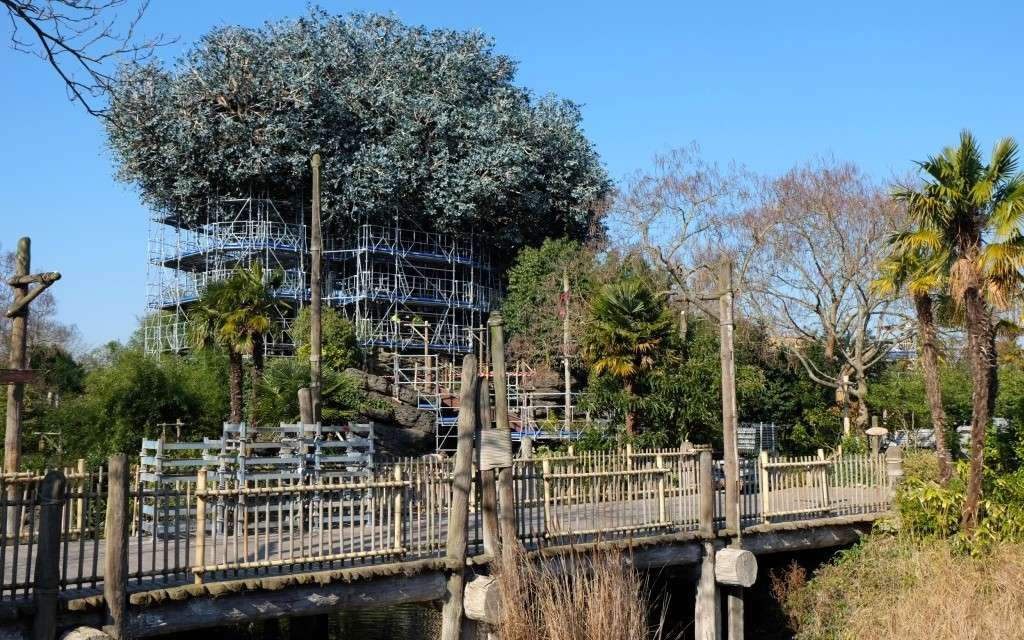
{"x": 18, "y": 360}
{"x": 729, "y": 413}
{"x": 488, "y": 477}
{"x": 506, "y": 493}
{"x": 315, "y": 295}
{"x": 734, "y": 607}
{"x": 707, "y": 614}
{"x": 115, "y": 575}
{"x": 458, "y": 520}
{"x": 47, "y": 576}
{"x": 706, "y": 489}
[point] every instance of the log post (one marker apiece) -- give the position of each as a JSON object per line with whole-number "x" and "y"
{"x": 662, "y": 510}
{"x": 47, "y": 577}
{"x": 526, "y": 448}
{"x": 18, "y": 360}
{"x": 826, "y": 502}
{"x": 734, "y": 605}
{"x": 315, "y": 295}
{"x": 729, "y": 414}
{"x": 545, "y": 478}
{"x": 707, "y": 614}
{"x": 488, "y": 487}
{"x": 83, "y": 486}
{"x": 200, "y": 525}
{"x": 763, "y": 487}
{"x": 458, "y": 521}
{"x": 115, "y": 575}
{"x": 398, "y": 503}
{"x": 706, "y": 492}
{"x": 506, "y": 493}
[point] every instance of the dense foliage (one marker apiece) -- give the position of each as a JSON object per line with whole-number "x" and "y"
{"x": 423, "y": 124}
{"x": 535, "y": 304}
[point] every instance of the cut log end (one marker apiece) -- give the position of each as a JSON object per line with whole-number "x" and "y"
{"x": 482, "y": 600}
{"x": 736, "y": 567}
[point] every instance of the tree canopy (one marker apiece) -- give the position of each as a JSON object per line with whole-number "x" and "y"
{"x": 423, "y": 124}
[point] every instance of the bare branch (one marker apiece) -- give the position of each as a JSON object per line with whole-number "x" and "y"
{"x": 81, "y": 41}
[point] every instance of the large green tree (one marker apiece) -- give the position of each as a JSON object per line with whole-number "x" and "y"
{"x": 418, "y": 123}
{"x": 970, "y": 215}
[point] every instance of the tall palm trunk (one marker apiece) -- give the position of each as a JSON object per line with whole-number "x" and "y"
{"x": 257, "y": 375}
{"x": 930, "y": 366}
{"x": 979, "y": 343}
{"x": 235, "y": 385}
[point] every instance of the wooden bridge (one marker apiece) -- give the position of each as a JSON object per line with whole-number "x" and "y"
{"x": 103, "y": 549}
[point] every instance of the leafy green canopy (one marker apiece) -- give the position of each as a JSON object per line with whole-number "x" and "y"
{"x": 425, "y": 124}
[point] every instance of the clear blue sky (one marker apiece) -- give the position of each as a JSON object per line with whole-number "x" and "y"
{"x": 769, "y": 84}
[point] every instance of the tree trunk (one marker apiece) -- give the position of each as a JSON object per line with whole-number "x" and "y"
{"x": 993, "y": 364}
{"x": 235, "y": 385}
{"x": 978, "y": 347}
{"x": 863, "y": 413}
{"x": 258, "y": 345}
{"x": 630, "y": 414}
{"x": 933, "y": 391}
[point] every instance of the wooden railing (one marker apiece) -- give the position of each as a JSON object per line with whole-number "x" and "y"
{"x": 399, "y": 511}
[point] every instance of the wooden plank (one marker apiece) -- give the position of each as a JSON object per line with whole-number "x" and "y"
{"x": 19, "y": 376}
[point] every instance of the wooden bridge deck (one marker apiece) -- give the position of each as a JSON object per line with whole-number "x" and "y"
{"x": 166, "y": 561}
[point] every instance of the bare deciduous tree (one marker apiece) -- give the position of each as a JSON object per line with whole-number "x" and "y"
{"x": 821, "y": 231}
{"x": 680, "y": 217}
{"x": 81, "y": 40}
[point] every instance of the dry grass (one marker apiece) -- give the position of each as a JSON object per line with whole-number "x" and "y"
{"x": 579, "y": 597}
{"x": 895, "y": 589}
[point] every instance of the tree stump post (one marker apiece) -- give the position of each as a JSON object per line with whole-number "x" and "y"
{"x": 458, "y": 520}
{"x": 115, "y": 575}
{"x": 47, "y": 578}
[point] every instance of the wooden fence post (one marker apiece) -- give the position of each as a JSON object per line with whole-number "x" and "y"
{"x": 458, "y": 520}
{"x": 662, "y": 511}
{"x": 83, "y": 486}
{"x": 545, "y": 474}
{"x": 826, "y": 503}
{"x": 398, "y": 507}
{"x": 763, "y": 486}
{"x": 115, "y": 575}
{"x": 706, "y": 491}
{"x": 47, "y": 578}
{"x": 506, "y": 492}
{"x": 487, "y": 477}
{"x": 200, "y": 561}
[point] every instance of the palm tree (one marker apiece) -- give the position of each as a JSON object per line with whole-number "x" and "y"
{"x": 630, "y": 324}
{"x": 968, "y": 217}
{"x": 236, "y": 314}
{"x": 919, "y": 273}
